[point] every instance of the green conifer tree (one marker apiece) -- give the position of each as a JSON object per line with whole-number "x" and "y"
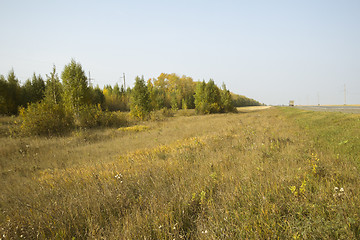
{"x": 13, "y": 96}
{"x": 200, "y": 100}
{"x": 226, "y": 100}
{"x": 53, "y": 89}
{"x": 76, "y": 91}
{"x": 140, "y": 99}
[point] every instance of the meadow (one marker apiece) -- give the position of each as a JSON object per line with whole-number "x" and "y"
{"x": 278, "y": 173}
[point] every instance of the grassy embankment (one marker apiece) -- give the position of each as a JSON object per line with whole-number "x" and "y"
{"x": 277, "y": 173}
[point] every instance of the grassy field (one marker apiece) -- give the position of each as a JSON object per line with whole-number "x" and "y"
{"x": 277, "y": 173}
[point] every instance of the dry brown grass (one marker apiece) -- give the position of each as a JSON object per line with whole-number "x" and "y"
{"x": 251, "y": 109}
{"x": 258, "y": 175}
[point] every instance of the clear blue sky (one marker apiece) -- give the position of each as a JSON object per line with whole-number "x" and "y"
{"x": 272, "y": 51}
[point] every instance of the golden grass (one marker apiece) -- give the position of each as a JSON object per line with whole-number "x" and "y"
{"x": 136, "y": 128}
{"x": 251, "y": 109}
{"x": 256, "y": 175}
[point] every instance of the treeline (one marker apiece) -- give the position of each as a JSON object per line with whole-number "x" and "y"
{"x": 14, "y": 96}
{"x": 172, "y": 91}
{"x": 242, "y": 101}
{"x": 53, "y": 106}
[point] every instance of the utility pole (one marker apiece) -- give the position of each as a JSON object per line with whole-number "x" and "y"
{"x": 318, "y": 96}
{"x": 124, "y": 81}
{"x": 344, "y": 94}
{"x": 90, "y": 80}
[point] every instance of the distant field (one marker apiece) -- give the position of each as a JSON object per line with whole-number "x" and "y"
{"x": 278, "y": 173}
{"x": 251, "y": 109}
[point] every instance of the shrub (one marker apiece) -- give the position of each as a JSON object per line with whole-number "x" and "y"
{"x": 114, "y": 119}
{"x": 186, "y": 112}
{"x": 91, "y": 116}
{"x": 45, "y": 118}
{"x": 161, "y": 114}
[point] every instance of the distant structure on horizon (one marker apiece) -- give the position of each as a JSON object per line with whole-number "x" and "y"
{"x": 291, "y": 103}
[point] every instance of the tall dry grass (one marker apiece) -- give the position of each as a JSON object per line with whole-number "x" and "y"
{"x": 258, "y": 175}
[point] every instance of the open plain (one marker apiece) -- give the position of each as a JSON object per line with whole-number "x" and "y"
{"x": 276, "y": 173}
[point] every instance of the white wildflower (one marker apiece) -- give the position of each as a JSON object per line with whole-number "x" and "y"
{"x": 119, "y": 177}
{"x": 338, "y": 192}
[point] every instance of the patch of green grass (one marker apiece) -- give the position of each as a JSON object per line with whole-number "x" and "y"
{"x": 338, "y": 133}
